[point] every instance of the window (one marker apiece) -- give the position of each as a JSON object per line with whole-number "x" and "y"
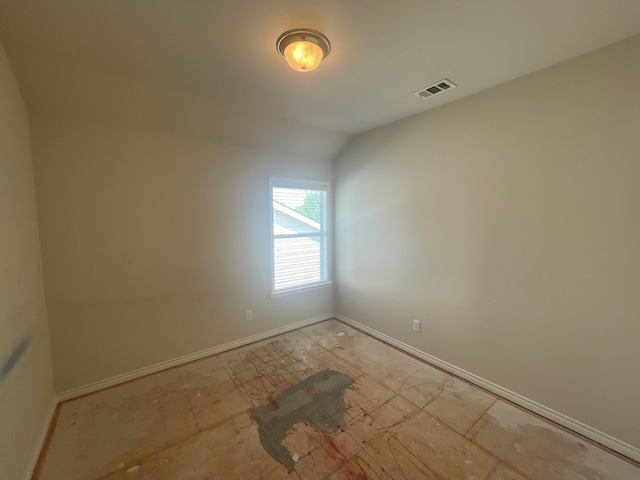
{"x": 299, "y": 214}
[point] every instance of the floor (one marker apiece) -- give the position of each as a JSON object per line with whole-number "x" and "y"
{"x": 323, "y": 402}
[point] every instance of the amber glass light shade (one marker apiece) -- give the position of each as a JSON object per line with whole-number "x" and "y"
{"x": 303, "y": 56}
{"x": 303, "y": 49}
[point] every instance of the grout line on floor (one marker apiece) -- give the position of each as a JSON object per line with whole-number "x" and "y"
{"x": 479, "y": 418}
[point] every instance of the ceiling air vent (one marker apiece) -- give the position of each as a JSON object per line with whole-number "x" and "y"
{"x": 438, "y": 87}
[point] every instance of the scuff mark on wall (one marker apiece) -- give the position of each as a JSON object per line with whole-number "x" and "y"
{"x": 14, "y": 357}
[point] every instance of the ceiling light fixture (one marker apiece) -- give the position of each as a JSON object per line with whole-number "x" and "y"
{"x": 303, "y": 48}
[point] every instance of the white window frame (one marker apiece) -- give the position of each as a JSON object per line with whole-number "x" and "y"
{"x": 303, "y": 185}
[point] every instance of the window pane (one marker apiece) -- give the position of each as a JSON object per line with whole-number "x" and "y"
{"x": 298, "y": 211}
{"x": 299, "y": 261}
{"x": 299, "y": 234}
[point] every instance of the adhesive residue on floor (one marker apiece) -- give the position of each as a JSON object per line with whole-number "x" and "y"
{"x": 317, "y": 400}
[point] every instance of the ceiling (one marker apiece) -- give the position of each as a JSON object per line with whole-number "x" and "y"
{"x": 224, "y": 51}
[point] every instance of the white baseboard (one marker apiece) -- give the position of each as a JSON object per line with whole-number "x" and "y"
{"x": 41, "y": 439}
{"x": 596, "y": 435}
{"x": 141, "y": 372}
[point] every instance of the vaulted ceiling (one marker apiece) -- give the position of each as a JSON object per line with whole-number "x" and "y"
{"x": 71, "y": 55}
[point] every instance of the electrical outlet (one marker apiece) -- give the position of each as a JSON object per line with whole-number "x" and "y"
{"x": 249, "y": 314}
{"x": 417, "y": 325}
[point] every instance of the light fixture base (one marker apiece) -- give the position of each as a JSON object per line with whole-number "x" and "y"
{"x": 301, "y": 35}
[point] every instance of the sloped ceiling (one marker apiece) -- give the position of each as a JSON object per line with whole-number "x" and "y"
{"x": 118, "y": 59}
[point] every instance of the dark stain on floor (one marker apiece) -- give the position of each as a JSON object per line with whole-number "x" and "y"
{"x": 317, "y": 400}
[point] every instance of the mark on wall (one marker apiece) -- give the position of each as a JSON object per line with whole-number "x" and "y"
{"x": 318, "y": 399}
{"x": 14, "y": 357}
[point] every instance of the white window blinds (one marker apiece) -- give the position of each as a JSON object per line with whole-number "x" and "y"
{"x": 299, "y": 240}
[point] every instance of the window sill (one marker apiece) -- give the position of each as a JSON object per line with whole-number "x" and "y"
{"x": 291, "y": 291}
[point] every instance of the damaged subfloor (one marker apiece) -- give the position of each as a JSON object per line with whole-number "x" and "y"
{"x": 322, "y": 402}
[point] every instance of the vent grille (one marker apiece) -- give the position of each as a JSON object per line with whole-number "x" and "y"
{"x": 438, "y": 87}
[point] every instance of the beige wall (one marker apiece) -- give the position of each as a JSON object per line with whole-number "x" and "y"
{"x": 155, "y": 245}
{"x": 26, "y": 380}
{"x": 508, "y": 223}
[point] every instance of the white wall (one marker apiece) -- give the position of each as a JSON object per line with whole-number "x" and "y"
{"x": 26, "y": 379}
{"x": 508, "y": 222}
{"x": 155, "y": 245}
